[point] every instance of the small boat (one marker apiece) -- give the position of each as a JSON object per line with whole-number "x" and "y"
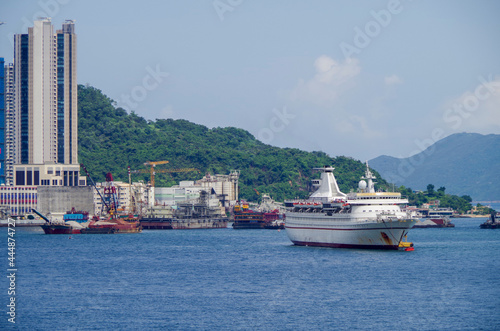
{"x": 275, "y": 224}
{"x": 437, "y": 222}
{"x": 61, "y": 228}
{"x": 491, "y": 223}
{"x": 73, "y": 223}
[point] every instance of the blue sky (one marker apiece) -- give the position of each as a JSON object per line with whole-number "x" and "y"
{"x": 377, "y": 77}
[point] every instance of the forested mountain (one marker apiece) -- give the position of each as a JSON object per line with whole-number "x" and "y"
{"x": 463, "y": 163}
{"x": 110, "y": 140}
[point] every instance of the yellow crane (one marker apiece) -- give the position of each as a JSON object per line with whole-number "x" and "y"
{"x": 152, "y": 171}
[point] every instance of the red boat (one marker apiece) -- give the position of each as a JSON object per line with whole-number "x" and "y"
{"x": 72, "y": 223}
{"x": 113, "y": 224}
{"x": 59, "y": 228}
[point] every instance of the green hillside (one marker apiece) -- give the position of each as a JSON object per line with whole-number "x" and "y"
{"x": 110, "y": 140}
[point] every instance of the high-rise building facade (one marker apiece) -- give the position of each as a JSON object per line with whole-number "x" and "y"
{"x": 67, "y": 95}
{"x": 2, "y": 121}
{"x": 9, "y": 124}
{"x": 44, "y": 126}
{"x": 46, "y": 115}
{"x": 35, "y": 95}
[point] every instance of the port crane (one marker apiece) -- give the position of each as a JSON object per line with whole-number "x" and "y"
{"x": 152, "y": 170}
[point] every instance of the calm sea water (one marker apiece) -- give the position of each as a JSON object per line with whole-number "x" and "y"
{"x": 253, "y": 279}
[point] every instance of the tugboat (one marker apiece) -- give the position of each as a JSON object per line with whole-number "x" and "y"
{"x": 491, "y": 223}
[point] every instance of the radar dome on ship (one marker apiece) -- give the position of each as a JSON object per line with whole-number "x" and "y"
{"x": 362, "y": 185}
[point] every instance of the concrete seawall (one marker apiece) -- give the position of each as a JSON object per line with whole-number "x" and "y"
{"x": 57, "y": 200}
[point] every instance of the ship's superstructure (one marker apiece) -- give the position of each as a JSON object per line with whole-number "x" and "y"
{"x": 366, "y": 219}
{"x": 186, "y": 215}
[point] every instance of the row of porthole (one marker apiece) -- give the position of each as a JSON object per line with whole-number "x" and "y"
{"x": 365, "y": 198}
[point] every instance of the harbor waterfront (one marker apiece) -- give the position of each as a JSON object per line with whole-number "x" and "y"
{"x": 253, "y": 279}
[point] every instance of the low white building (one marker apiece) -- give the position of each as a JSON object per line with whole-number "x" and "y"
{"x": 142, "y": 195}
{"x": 225, "y": 187}
{"x": 18, "y": 200}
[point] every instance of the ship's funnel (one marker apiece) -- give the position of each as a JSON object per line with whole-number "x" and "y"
{"x": 328, "y": 188}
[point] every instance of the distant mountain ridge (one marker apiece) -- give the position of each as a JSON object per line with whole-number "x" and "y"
{"x": 464, "y": 163}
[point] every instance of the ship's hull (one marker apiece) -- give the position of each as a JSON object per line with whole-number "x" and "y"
{"x": 490, "y": 226}
{"x": 59, "y": 229}
{"x": 345, "y": 232}
{"x": 248, "y": 225}
{"x": 187, "y": 224}
{"x": 98, "y": 230}
{"x": 115, "y": 228}
{"x": 274, "y": 226}
{"x": 256, "y": 220}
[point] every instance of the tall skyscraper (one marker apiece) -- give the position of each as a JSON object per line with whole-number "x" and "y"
{"x": 2, "y": 121}
{"x": 45, "y": 119}
{"x": 35, "y": 94}
{"x": 9, "y": 124}
{"x": 67, "y": 95}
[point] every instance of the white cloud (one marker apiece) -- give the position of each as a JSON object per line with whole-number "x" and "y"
{"x": 477, "y": 110}
{"x": 357, "y": 125}
{"x": 331, "y": 80}
{"x": 392, "y": 80}
{"x": 167, "y": 112}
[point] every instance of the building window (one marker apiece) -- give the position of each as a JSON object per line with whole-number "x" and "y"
{"x": 37, "y": 177}
{"x": 19, "y": 177}
{"x": 29, "y": 177}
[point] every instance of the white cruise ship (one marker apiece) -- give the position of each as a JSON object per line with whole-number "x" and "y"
{"x": 367, "y": 219}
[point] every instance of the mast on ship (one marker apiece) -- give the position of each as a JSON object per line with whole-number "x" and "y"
{"x": 370, "y": 186}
